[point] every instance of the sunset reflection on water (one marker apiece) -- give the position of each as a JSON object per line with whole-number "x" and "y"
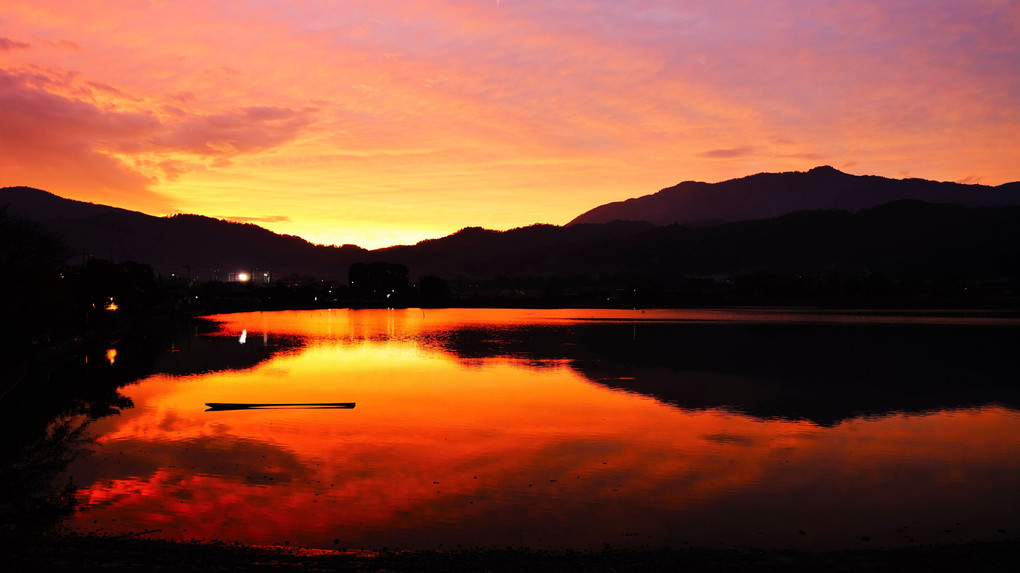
{"x": 456, "y": 446}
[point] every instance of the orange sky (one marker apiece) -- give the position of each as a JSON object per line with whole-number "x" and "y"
{"x": 382, "y": 122}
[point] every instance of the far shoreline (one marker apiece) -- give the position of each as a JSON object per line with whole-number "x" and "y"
{"x": 135, "y": 553}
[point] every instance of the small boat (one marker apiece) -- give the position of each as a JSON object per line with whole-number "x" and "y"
{"x": 218, "y": 406}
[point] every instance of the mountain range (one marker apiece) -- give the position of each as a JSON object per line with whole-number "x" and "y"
{"x": 816, "y": 222}
{"x": 772, "y": 194}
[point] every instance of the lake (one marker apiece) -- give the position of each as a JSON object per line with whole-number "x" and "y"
{"x": 567, "y": 429}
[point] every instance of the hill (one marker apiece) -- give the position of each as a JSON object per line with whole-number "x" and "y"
{"x": 183, "y": 244}
{"x": 474, "y": 252}
{"x": 772, "y": 194}
{"x": 901, "y": 240}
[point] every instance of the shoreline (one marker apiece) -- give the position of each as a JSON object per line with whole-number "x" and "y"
{"x": 132, "y": 553}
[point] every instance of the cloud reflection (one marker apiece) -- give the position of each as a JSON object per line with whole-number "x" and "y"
{"x": 502, "y": 452}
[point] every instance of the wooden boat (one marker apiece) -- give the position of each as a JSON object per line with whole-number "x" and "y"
{"x": 311, "y": 405}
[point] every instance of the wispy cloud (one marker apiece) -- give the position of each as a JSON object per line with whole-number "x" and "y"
{"x": 246, "y": 130}
{"x": 58, "y": 142}
{"x": 7, "y": 44}
{"x": 69, "y": 135}
{"x": 727, "y": 153}
{"x": 265, "y": 219}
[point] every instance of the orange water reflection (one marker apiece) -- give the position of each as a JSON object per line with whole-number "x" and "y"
{"x": 442, "y": 451}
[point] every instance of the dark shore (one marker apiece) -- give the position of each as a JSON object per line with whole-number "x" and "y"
{"x": 97, "y": 553}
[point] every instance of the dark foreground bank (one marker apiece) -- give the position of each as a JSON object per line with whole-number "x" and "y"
{"x": 92, "y": 553}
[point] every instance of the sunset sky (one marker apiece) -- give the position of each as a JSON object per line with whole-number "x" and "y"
{"x": 383, "y": 122}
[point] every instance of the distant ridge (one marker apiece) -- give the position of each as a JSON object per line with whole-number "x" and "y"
{"x": 772, "y": 194}
{"x": 200, "y": 246}
{"x": 903, "y": 239}
{"x": 41, "y": 205}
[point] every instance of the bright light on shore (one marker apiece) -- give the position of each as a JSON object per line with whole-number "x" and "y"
{"x": 242, "y": 276}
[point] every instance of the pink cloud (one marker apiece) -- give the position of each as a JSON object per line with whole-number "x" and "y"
{"x": 51, "y": 141}
{"x": 265, "y": 219}
{"x": 54, "y": 134}
{"x": 247, "y": 130}
{"x": 727, "y": 153}
{"x": 172, "y": 170}
{"x": 7, "y": 44}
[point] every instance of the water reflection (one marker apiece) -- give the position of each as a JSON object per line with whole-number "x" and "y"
{"x": 46, "y": 424}
{"x": 570, "y": 429}
{"x": 202, "y": 346}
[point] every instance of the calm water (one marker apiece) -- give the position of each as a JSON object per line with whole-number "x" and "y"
{"x": 569, "y": 429}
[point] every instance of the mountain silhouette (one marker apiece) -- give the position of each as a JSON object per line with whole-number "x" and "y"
{"x": 202, "y": 246}
{"x": 535, "y": 249}
{"x": 772, "y": 194}
{"x": 906, "y": 239}
{"x": 901, "y": 239}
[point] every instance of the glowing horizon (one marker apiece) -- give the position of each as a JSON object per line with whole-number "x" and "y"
{"x": 382, "y": 123}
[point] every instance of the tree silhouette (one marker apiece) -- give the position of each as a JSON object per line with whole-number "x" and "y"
{"x": 378, "y": 279}
{"x": 434, "y": 290}
{"x": 33, "y": 295}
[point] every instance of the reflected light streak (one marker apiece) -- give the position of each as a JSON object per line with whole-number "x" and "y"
{"x": 332, "y": 324}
